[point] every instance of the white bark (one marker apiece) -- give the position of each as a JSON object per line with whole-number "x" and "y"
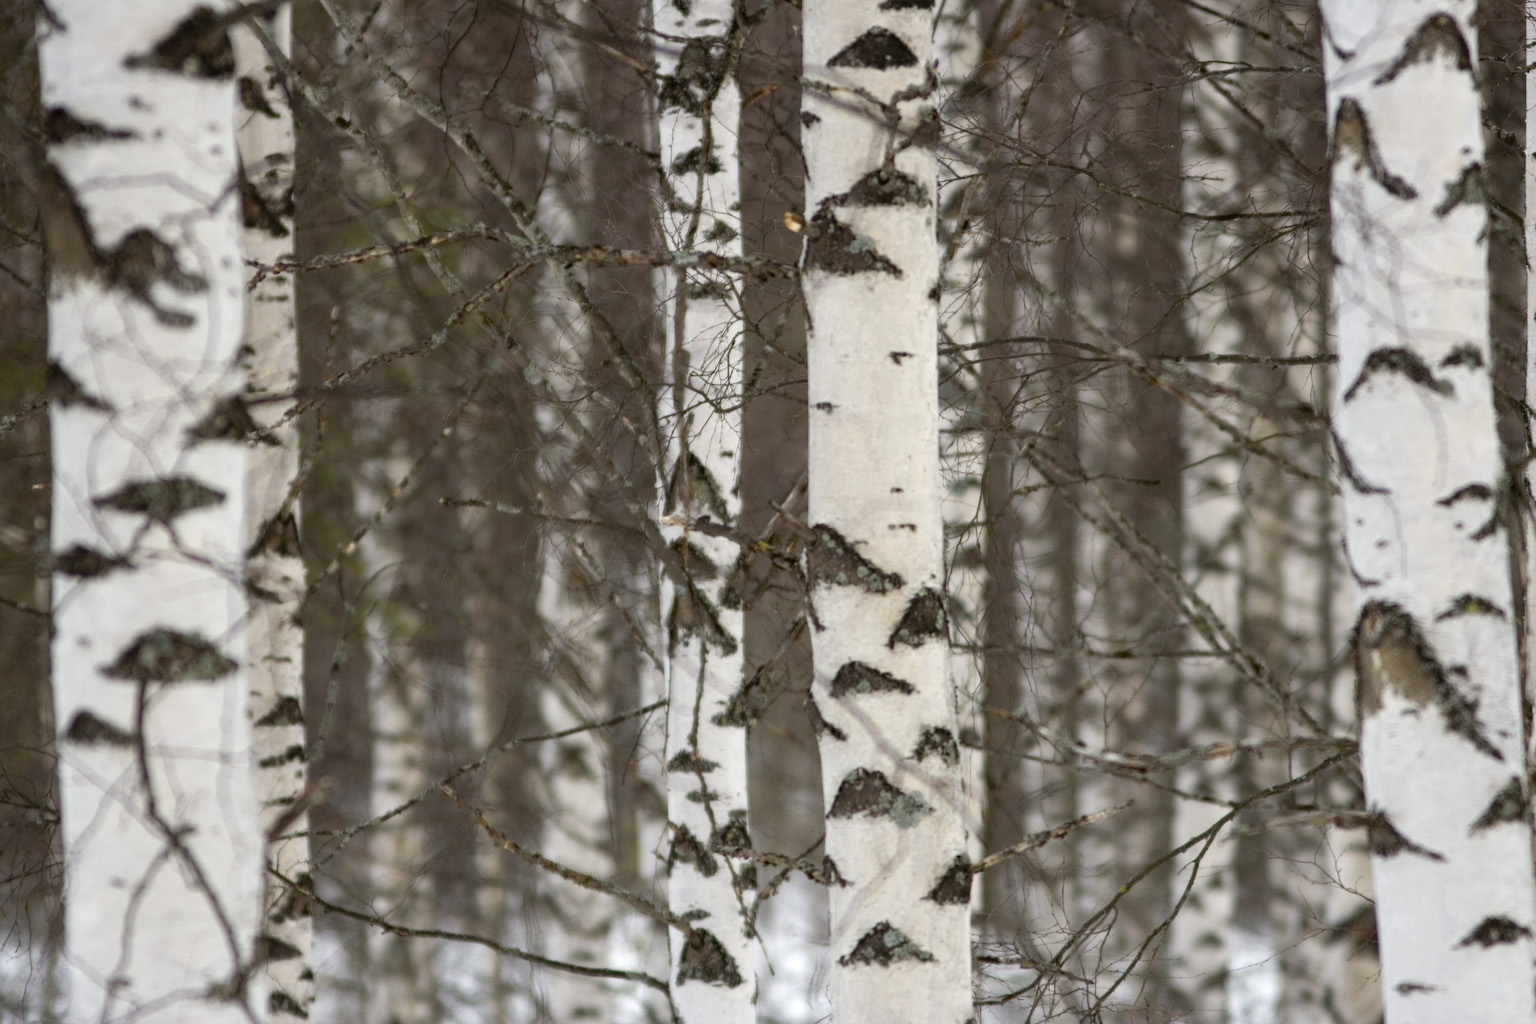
{"x": 163, "y": 846}
{"x": 900, "y": 942}
{"x": 1438, "y": 694}
{"x": 706, "y": 754}
{"x": 271, "y": 357}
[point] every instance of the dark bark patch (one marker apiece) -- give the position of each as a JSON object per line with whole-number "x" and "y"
{"x": 830, "y": 873}
{"x": 705, "y": 959}
{"x": 868, "y": 793}
{"x": 698, "y": 565}
{"x": 1471, "y": 604}
{"x": 954, "y": 886}
{"x": 254, "y": 98}
{"x": 1438, "y": 36}
{"x": 820, "y": 725}
{"x": 1471, "y": 492}
{"x": 161, "y": 500}
{"x": 89, "y": 731}
{"x": 885, "y": 186}
{"x": 695, "y": 160}
{"x": 288, "y": 756}
{"x": 61, "y": 126}
{"x": 85, "y": 563}
{"x": 687, "y": 849}
{"x": 884, "y": 945}
{"x": 1402, "y": 362}
{"x": 1415, "y": 988}
{"x": 280, "y": 536}
{"x": 733, "y": 836}
{"x": 1496, "y": 930}
{"x": 1352, "y": 139}
{"x": 906, "y": 5}
{"x": 287, "y": 711}
{"x": 879, "y": 49}
{"x": 693, "y": 489}
{"x": 230, "y": 419}
{"x": 937, "y": 740}
{"x": 1468, "y": 189}
{"x": 1465, "y": 354}
{"x": 692, "y": 615}
{"x": 271, "y": 949}
{"x": 1347, "y": 467}
{"x": 690, "y": 761}
{"x": 142, "y": 260}
{"x": 198, "y": 47}
{"x": 1509, "y": 804}
{"x": 927, "y": 132}
{"x": 838, "y": 249}
{"x": 697, "y": 79}
{"x": 1391, "y": 652}
{"x": 1386, "y": 841}
{"x": 924, "y": 620}
{"x": 855, "y": 677}
{"x": 833, "y": 561}
{"x": 258, "y": 213}
{"x": 281, "y": 1002}
{"x": 170, "y": 656}
{"x": 62, "y": 389}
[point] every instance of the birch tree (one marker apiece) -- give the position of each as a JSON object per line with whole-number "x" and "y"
{"x": 895, "y": 839}
{"x": 1438, "y": 689}
{"x": 706, "y": 752}
{"x": 162, "y": 843}
{"x": 270, "y": 358}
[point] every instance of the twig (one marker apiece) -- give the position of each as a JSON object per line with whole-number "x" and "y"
{"x": 1037, "y": 839}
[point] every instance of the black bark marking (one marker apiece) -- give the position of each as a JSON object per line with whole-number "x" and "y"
{"x": 1465, "y": 354}
{"x": 700, "y": 72}
{"x": 280, "y": 536}
{"x": 954, "y": 886}
{"x": 705, "y": 959}
{"x": 820, "y": 725}
{"x": 1438, "y": 36}
{"x": 170, "y": 656}
{"x": 1347, "y": 467}
{"x": 89, "y": 731}
{"x": 1386, "y": 841}
{"x": 143, "y": 259}
{"x": 832, "y": 560}
{"x": 838, "y": 249}
{"x": 885, "y": 945}
{"x": 1468, "y": 189}
{"x": 281, "y": 1002}
{"x": 60, "y": 126}
{"x": 1415, "y": 988}
{"x": 257, "y": 212}
{"x": 869, "y": 793}
{"x": 692, "y": 615}
{"x": 687, "y": 849}
{"x": 1509, "y": 804}
{"x": 198, "y": 47}
{"x": 807, "y": 119}
{"x": 1471, "y": 492}
{"x": 1496, "y": 930}
{"x": 855, "y": 677}
{"x": 830, "y": 875}
{"x": 935, "y": 739}
{"x": 733, "y": 836}
{"x": 690, "y": 761}
{"x": 270, "y": 949}
{"x": 703, "y": 795}
{"x": 884, "y": 187}
{"x": 62, "y": 389}
{"x": 879, "y": 48}
{"x": 86, "y": 563}
{"x": 927, "y": 132}
{"x": 230, "y": 420}
{"x": 1399, "y": 361}
{"x": 906, "y": 5}
{"x": 897, "y": 357}
{"x": 695, "y": 160}
{"x": 1352, "y": 138}
{"x": 1391, "y": 652}
{"x": 254, "y": 98}
{"x": 288, "y": 756}
{"x": 1471, "y": 604}
{"x": 287, "y": 711}
{"x": 745, "y": 704}
{"x": 924, "y": 620}
{"x": 692, "y": 488}
{"x": 161, "y": 500}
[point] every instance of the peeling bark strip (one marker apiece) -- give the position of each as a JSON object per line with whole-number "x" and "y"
{"x": 160, "y": 820}
{"x": 882, "y": 701}
{"x": 1438, "y": 683}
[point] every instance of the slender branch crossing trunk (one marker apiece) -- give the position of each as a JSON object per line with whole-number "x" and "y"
{"x": 276, "y": 564}
{"x": 895, "y": 835}
{"x": 162, "y": 842}
{"x": 1438, "y": 687}
{"x": 712, "y": 965}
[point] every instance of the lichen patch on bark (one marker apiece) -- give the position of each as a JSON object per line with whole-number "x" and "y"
{"x": 162, "y": 500}
{"x": 1439, "y": 36}
{"x": 170, "y": 656}
{"x": 855, "y": 677}
{"x": 924, "y": 620}
{"x": 868, "y": 793}
{"x": 88, "y": 730}
{"x": 198, "y": 47}
{"x": 1497, "y": 930}
{"x": 954, "y": 886}
{"x": 936, "y": 740}
{"x": 686, "y": 849}
{"x": 834, "y": 560}
{"x": 705, "y": 959}
{"x": 884, "y": 945}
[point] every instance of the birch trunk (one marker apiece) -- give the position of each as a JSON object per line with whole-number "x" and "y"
{"x": 275, "y": 564}
{"x": 712, "y": 969}
{"x": 1438, "y": 688}
{"x": 890, "y": 761}
{"x": 162, "y": 842}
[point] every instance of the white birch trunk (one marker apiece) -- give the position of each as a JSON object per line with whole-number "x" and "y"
{"x": 162, "y": 842}
{"x": 275, "y": 565}
{"x": 900, "y": 941}
{"x": 1438, "y": 689}
{"x": 712, "y": 969}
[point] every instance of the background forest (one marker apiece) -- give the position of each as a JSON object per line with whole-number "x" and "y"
{"x": 1148, "y": 606}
